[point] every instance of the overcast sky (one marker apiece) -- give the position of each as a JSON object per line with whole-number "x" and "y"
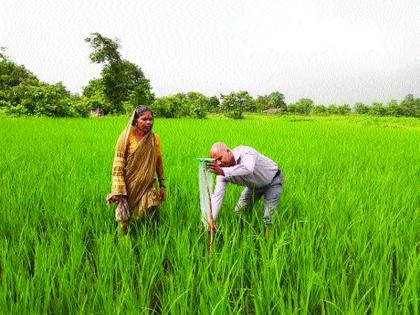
{"x": 329, "y": 50}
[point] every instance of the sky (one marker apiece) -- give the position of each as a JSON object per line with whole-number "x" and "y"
{"x": 331, "y": 51}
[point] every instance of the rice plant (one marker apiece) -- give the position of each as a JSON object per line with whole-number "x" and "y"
{"x": 346, "y": 238}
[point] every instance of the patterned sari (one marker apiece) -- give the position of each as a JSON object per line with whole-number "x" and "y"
{"x": 134, "y": 173}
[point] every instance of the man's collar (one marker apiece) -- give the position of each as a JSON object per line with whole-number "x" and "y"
{"x": 235, "y": 155}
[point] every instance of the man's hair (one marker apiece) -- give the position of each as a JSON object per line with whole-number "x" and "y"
{"x": 219, "y": 146}
{"x": 141, "y": 109}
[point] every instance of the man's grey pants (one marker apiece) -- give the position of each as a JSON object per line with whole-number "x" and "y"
{"x": 271, "y": 192}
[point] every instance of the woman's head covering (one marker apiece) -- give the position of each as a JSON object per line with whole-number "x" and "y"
{"x": 138, "y": 111}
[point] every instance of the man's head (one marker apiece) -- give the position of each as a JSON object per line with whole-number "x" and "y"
{"x": 222, "y": 154}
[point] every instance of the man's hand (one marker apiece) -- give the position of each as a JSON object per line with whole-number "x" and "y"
{"x": 215, "y": 169}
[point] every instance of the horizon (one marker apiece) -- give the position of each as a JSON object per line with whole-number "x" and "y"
{"x": 364, "y": 51}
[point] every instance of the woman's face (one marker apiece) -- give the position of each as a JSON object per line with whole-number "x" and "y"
{"x": 145, "y": 122}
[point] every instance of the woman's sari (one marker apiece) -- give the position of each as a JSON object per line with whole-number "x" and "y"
{"x": 134, "y": 174}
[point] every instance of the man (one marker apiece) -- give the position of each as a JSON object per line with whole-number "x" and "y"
{"x": 246, "y": 167}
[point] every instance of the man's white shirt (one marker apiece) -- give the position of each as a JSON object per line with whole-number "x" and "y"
{"x": 252, "y": 170}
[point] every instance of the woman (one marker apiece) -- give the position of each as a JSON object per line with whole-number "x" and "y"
{"x": 137, "y": 164}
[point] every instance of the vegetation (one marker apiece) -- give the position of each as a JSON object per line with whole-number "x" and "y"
{"x": 121, "y": 81}
{"x": 22, "y": 93}
{"x": 122, "y": 86}
{"x": 345, "y": 240}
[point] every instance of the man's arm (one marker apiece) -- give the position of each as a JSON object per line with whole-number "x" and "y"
{"x": 217, "y": 196}
{"x": 245, "y": 167}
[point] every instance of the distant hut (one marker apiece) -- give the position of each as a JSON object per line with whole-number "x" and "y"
{"x": 97, "y": 112}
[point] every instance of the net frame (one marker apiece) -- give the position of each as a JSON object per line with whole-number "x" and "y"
{"x": 206, "y": 186}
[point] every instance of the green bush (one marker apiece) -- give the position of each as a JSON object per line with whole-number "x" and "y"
{"x": 173, "y": 106}
{"x": 377, "y": 109}
{"x": 361, "y": 108}
{"x": 319, "y": 110}
{"x": 198, "y": 104}
{"x": 304, "y": 106}
{"x": 410, "y": 106}
{"x": 234, "y": 104}
{"x": 344, "y": 109}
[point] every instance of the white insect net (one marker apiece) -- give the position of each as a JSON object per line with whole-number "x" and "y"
{"x": 205, "y": 184}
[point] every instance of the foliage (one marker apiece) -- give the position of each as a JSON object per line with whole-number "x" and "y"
{"x": 319, "y": 110}
{"x": 392, "y": 108}
{"x": 120, "y": 79}
{"x": 345, "y": 239}
{"x": 214, "y": 105}
{"x": 291, "y": 108}
{"x": 410, "y": 106}
{"x": 332, "y": 109}
{"x": 142, "y": 94}
{"x": 361, "y": 108}
{"x": 172, "y": 106}
{"x": 272, "y": 100}
{"x": 304, "y": 106}
{"x": 192, "y": 104}
{"x": 198, "y": 104}
{"x": 377, "y": 109}
{"x": 122, "y": 86}
{"x": 235, "y": 103}
{"x": 21, "y": 93}
{"x": 344, "y": 109}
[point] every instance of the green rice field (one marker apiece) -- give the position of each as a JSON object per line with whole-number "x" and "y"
{"x": 346, "y": 238}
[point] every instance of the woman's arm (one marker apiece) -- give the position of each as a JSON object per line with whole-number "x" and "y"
{"x": 118, "y": 188}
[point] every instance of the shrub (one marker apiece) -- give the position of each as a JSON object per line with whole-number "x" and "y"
{"x": 234, "y": 104}
{"x": 361, "y": 108}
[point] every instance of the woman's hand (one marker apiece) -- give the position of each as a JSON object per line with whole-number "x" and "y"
{"x": 162, "y": 193}
{"x": 116, "y": 198}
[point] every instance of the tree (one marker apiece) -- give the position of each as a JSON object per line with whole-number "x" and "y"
{"x": 276, "y": 100}
{"x": 304, "y": 106}
{"x": 21, "y": 93}
{"x": 292, "y": 109}
{"x": 377, "y": 109}
{"x": 344, "y": 109}
{"x": 172, "y": 106}
{"x": 214, "y": 105}
{"x": 198, "y": 104}
{"x": 12, "y": 74}
{"x": 410, "y": 106}
{"x": 392, "y": 108}
{"x": 234, "y": 104}
{"x": 142, "y": 94}
{"x": 361, "y": 108}
{"x": 94, "y": 96}
{"x": 332, "y": 109}
{"x": 119, "y": 78}
{"x": 319, "y": 110}
{"x": 262, "y": 103}
{"x": 41, "y": 100}
{"x": 273, "y": 100}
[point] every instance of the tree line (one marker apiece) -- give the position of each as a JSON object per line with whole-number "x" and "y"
{"x": 122, "y": 86}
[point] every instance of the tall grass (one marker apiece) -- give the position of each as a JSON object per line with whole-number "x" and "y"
{"x": 346, "y": 238}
